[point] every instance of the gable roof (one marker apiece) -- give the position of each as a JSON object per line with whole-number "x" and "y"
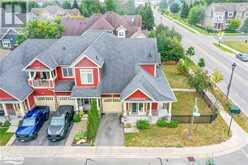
{"x": 222, "y": 7}
{"x": 107, "y": 21}
{"x": 155, "y": 87}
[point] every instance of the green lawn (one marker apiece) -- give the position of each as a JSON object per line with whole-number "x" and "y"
{"x": 185, "y": 103}
{"x": 203, "y": 134}
{"x": 175, "y": 78}
{"x": 237, "y": 45}
{"x": 4, "y": 136}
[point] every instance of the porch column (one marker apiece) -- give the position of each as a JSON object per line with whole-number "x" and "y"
{"x": 6, "y": 112}
{"x": 76, "y": 104}
{"x": 124, "y": 109}
{"x": 22, "y": 110}
{"x": 150, "y": 109}
{"x": 97, "y": 104}
{"x": 170, "y": 106}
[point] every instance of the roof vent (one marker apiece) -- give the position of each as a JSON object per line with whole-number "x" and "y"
{"x": 63, "y": 47}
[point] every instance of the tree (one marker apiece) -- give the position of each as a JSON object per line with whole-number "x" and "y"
{"x": 93, "y": 121}
{"x": 89, "y": 7}
{"x": 196, "y": 14}
{"x": 169, "y": 46}
{"x": 200, "y": 81}
{"x": 233, "y": 25}
{"x": 244, "y": 27}
{"x": 216, "y": 76}
{"x": 131, "y": 7}
{"x": 41, "y": 29}
{"x": 66, "y": 4}
{"x": 75, "y": 5}
{"x": 185, "y": 10}
{"x": 190, "y": 51}
{"x": 147, "y": 16}
{"x": 32, "y": 4}
{"x": 175, "y": 8}
{"x": 201, "y": 63}
{"x": 110, "y": 5}
{"x": 163, "y": 5}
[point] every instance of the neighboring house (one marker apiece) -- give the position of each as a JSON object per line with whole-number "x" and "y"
{"x": 123, "y": 75}
{"x": 138, "y": 3}
{"x": 217, "y": 15}
{"x": 51, "y": 12}
{"x": 122, "y": 26}
{"x": 8, "y": 38}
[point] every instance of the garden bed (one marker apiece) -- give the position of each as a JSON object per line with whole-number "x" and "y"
{"x": 203, "y": 134}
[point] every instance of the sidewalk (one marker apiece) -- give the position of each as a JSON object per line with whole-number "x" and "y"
{"x": 236, "y": 142}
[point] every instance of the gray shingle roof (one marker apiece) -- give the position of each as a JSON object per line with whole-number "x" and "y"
{"x": 64, "y": 85}
{"x": 157, "y": 88}
{"x": 87, "y": 92}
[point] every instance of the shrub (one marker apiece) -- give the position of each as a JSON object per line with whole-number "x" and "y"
{"x": 201, "y": 63}
{"x": 233, "y": 25}
{"x": 172, "y": 124}
{"x": 80, "y": 135}
{"x": 142, "y": 124}
{"x": 175, "y": 8}
{"x": 6, "y": 123}
{"x": 196, "y": 14}
{"x": 183, "y": 66}
{"x": 161, "y": 123}
{"x": 76, "y": 118}
{"x": 244, "y": 27}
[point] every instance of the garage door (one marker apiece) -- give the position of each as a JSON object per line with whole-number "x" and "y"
{"x": 49, "y": 101}
{"x": 111, "y": 105}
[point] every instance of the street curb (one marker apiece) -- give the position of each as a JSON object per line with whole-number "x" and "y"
{"x": 11, "y": 140}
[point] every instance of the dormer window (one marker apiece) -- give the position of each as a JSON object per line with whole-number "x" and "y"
{"x": 121, "y": 34}
{"x": 86, "y": 76}
{"x": 67, "y": 72}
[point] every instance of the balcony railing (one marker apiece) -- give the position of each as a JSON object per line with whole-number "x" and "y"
{"x": 47, "y": 83}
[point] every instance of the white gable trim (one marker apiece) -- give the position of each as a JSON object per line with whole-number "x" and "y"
{"x": 138, "y": 89}
{"x": 34, "y": 61}
{"x": 81, "y": 57}
{"x": 10, "y": 94}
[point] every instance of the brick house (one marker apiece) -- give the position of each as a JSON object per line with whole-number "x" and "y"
{"x": 217, "y": 15}
{"x": 123, "y": 26}
{"x": 123, "y": 75}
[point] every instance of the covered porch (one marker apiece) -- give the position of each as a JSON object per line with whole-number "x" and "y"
{"x": 84, "y": 104}
{"x": 10, "y": 110}
{"x": 148, "y": 110}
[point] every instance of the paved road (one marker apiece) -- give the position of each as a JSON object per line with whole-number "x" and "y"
{"x": 215, "y": 59}
{"x": 110, "y": 132}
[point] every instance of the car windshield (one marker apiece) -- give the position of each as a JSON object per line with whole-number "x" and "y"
{"x": 28, "y": 122}
{"x": 57, "y": 121}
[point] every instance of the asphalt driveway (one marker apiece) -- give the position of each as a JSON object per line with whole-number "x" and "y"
{"x": 41, "y": 140}
{"x": 110, "y": 132}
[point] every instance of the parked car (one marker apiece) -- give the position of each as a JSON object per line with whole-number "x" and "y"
{"x": 242, "y": 57}
{"x": 32, "y": 122}
{"x": 60, "y": 123}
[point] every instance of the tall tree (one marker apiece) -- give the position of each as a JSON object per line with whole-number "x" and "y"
{"x": 185, "y": 10}
{"x": 163, "y": 5}
{"x": 244, "y": 27}
{"x": 147, "y": 16}
{"x": 75, "y": 5}
{"x": 110, "y": 5}
{"x": 32, "y": 4}
{"x": 196, "y": 14}
{"x": 175, "y": 8}
{"x": 66, "y": 4}
{"x": 89, "y": 7}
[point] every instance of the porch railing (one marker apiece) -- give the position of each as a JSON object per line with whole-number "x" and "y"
{"x": 43, "y": 83}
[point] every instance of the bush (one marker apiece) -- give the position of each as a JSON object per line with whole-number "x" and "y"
{"x": 244, "y": 27}
{"x": 200, "y": 81}
{"x": 6, "y": 123}
{"x": 166, "y": 123}
{"x": 201, "y": 63}
{"x": 76, "y": 118}
{"x": 183, "y": 66}
{"x": 233, "y": 25}
{"x": 175, "y": 8}
{"x": 142, "y": 124}
{"x": 161, "y": 123}
{"x": 196, "y": 14}
{"x": 80, "y": 135}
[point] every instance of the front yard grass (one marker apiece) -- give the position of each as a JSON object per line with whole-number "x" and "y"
{"x": 4, "y": 136}
{"x": 203, "y": 134}
{"x": 175, "y": 78}
{"x": 185, "y": 103}
{"x": 237, "y": 45}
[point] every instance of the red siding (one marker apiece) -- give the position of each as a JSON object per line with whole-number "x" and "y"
{"x": 31, "y": 102}
{"x": 149, "y": 68}
{"x": 63, "y": 93}
{"x": 85, "y": 62}
{"x": 154, "y": 106}
{"x": 60, "y": 75}
{"x": 5, "y": 96}
{"x": 43, "y": 92}
{"x": 138, "y": 95}
{"x": 78, "y": 78}
{"x": 37, "y": 65}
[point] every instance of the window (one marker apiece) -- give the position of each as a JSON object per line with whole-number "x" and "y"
{"x": 67, "y": 72}
{"x": 121, "y": 34}
{"x": 6, "y": 43}
{"x": 230, "y": 14}
{"x": 86, "y": 76}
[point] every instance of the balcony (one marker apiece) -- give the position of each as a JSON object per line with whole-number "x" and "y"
{"x": 42, "y": 79}
{"x": 42, "y": 83}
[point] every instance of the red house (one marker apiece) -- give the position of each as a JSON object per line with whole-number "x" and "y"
{"x": 123, "y": 75}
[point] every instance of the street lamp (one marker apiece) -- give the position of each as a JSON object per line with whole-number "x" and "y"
{"x": 230, "y": 82}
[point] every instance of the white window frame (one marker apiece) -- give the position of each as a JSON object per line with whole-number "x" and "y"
{"x": 83, "y": 81}
{"x": 121, "y": 34}
{"x": 71, "y": 76}
{"x": 6, "y": 43}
